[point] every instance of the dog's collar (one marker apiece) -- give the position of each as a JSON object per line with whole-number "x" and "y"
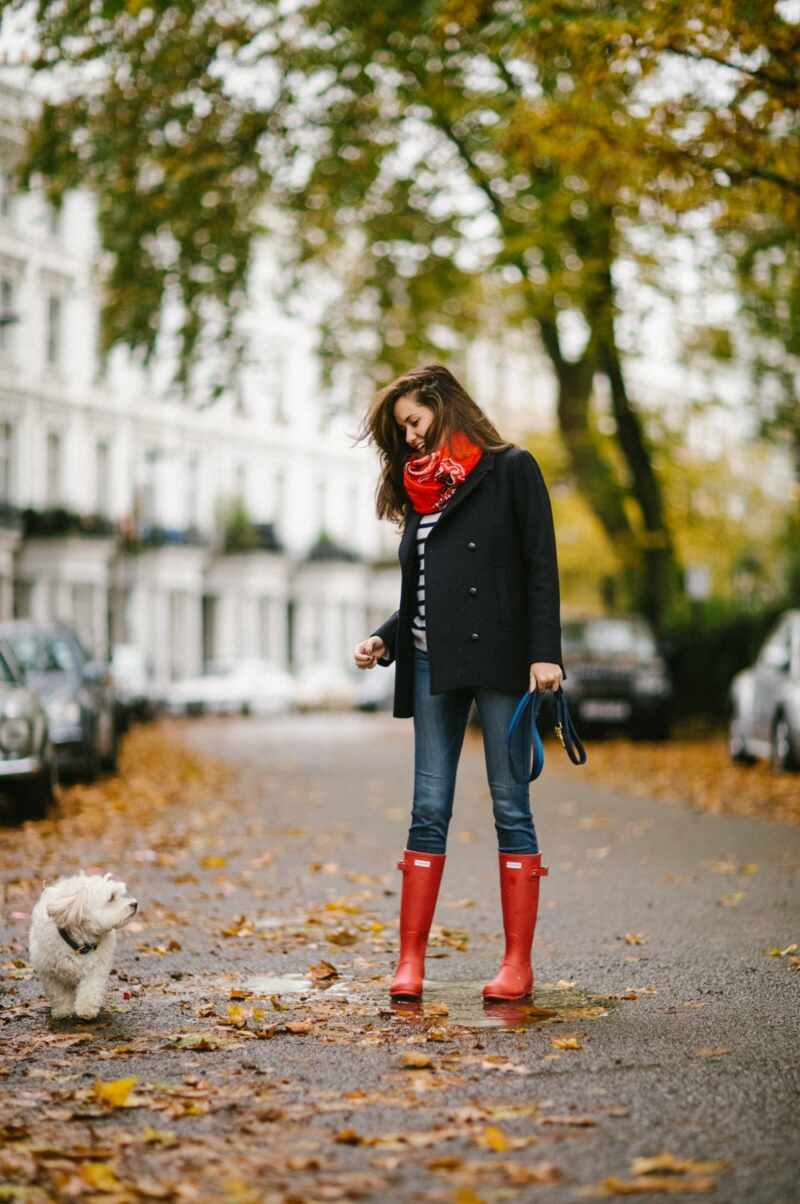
{"x": 73, "y": 944}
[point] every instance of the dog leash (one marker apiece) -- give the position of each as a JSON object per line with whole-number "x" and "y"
{"x": 522, "y": 737}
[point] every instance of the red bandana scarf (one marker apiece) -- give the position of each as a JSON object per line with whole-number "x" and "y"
{"x": 431, "y": 480}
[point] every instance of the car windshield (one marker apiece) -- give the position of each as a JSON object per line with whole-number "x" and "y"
{"x": 45, "y": 652}
{"x": 608, "y": 637}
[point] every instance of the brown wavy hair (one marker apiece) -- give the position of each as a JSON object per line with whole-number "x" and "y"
{"x": 453, "y": 409}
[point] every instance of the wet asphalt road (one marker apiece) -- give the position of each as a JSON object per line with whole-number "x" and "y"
{"x": 702, "y": 1063}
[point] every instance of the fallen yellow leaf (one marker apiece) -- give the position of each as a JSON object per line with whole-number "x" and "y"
{"x": 99, "y": 1175}
{"x": 237, "y": 1017}
{"x": 413, "y": 1060}
{"x": 342, "y": 936}
{"x": 776, "y": 952}
{"x": 677, "y": 1166}
{"x": 493, "y": 1138}
{"x": 566, "y": 1042}
{"x": 323, "y": 971}
{"x": 648, "y": 1184}
{"x": 348, "y": 1137}
{"x": 115, "y": 1092}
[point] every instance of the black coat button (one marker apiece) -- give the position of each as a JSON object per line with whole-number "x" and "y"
{"x": 475, "y": 635}
{"x": 472, "y": 545}
{"x": 473, "y": 589}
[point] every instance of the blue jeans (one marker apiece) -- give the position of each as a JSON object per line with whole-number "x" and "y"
{"x": 440, "y": 721}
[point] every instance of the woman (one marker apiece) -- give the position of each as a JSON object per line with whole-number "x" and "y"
{"x": 478, "y": 618}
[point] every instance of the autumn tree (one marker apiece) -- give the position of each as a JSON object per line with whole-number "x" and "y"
{"x": 443, "y": 162}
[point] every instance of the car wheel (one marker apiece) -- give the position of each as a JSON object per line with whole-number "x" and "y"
{"x": 737, "y": 749}
{"x": 781, "y": 748}
{"x": 110, "y": 762}
{"x": 40, "y": 795}
{"x": 93, "y": 764}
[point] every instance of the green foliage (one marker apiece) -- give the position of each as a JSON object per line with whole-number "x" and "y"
{"x": 239, "y": 533}
{"x": 707, "y": 647}
{"x": 453, "y": 165}
{"x": 172, "y": 156}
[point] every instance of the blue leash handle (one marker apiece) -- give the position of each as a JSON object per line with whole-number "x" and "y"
{"x": 524, "y": 736}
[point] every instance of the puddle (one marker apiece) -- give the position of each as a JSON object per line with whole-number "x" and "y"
{"x": 296, "y": 984}
{"x": 467, "y": 1008}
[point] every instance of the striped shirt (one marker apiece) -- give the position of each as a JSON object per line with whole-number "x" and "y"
{"x": 426, "y": 523}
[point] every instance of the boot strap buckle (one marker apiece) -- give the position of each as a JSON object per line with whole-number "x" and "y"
{"x": 540, "y": 871}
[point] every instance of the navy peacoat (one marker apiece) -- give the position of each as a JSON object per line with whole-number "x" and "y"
{"x": 491, "y": 584}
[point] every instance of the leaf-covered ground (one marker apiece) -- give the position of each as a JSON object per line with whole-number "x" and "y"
{"x": 248, "y": 1050}
{"x": 695, "y": 770}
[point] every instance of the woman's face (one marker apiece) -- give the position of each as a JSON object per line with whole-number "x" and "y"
{"x": 415, "y": 420}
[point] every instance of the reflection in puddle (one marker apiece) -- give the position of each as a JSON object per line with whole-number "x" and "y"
{"x": 296, "y": 984}
{"x": 467, "y": 1008}
{"x": 460, "y": 1004}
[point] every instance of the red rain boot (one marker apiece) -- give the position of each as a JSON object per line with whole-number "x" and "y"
{"x": 422, "y": 873}
{"x": 519, "y": 895}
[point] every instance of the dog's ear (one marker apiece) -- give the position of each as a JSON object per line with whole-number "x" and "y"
{"x": 68, "y": 911}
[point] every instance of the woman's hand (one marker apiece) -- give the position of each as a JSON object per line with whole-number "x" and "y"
{"x": 545, "y": 676}
{"x": 367, "y": 652}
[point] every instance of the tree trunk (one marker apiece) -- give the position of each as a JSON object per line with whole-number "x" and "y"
{"x": 594, "y": 475}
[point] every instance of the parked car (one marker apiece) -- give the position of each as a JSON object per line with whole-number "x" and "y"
{"x": 325, "y": 686}
{"x": 76, "y": 691}
{"x": 132, "y": 685}
{"x": 375, "y": 688}
{"x": 765, "y": 701}
{"x": 616, "y": 677}
{"x": 245, "y": 687}
{"x": 27, "y": 761}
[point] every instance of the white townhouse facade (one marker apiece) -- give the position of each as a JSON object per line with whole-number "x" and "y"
{"x": 242, "y": 528}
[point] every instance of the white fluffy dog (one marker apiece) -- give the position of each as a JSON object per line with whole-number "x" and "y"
{"x": 72, "y": 940}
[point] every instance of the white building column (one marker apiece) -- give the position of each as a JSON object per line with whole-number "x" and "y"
{"x": 278, "y": 632}
{"x": 304, "y": 634}
{"x": 194, "y": 634}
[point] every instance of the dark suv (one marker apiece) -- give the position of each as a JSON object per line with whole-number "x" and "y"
{"x": 616, "y": 677}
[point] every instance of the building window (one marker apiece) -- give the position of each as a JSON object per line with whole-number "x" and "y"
{"x": 6, "y": 311}
{"x": 6, "y": 462}
{"x": 53, "y": 468}
{"x": 53, "y": 329}
{"x": 149, "y": 500}
{"x": 103, "y": 477}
